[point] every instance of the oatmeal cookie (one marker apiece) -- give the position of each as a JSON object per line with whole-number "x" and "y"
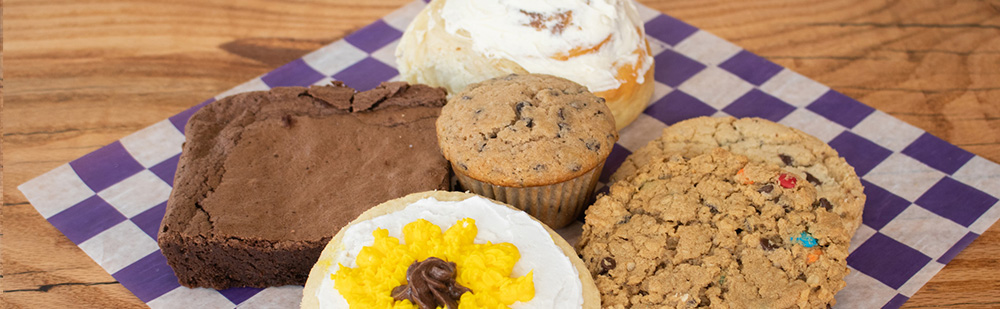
{"x": 762, "y": 141}
{"x": 714, "y": 231}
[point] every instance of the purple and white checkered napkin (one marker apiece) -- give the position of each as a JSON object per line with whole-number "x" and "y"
{"x": 927, "y": 199}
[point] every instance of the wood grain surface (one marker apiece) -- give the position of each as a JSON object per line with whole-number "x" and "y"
{"x": 80, "y": 74}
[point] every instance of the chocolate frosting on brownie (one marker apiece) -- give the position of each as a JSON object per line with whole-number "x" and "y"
{"x": 266, "y": 178}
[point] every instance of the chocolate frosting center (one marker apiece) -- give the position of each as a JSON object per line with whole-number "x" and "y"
{"x": 431, "y": 284}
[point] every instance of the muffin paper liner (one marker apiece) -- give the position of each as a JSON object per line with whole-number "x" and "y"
{"x": 927, "y": 199}
{"x": 556, "y": 205}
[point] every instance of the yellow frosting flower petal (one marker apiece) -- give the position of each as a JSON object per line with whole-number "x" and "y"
{"x": 483, "y": 268}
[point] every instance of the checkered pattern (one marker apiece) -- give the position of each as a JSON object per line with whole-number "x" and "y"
{"x": 927, "y": 199}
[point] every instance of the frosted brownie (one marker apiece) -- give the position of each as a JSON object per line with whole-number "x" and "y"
{"x": 266, "y": 178}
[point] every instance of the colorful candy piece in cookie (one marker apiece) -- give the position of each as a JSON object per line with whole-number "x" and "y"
{"x": 448, "y": 250}
{"x": 787, "y": 181}
{"x": 805, "y": 239}
{"x": 744, "y": 179}
{"x": 813, "y": 256}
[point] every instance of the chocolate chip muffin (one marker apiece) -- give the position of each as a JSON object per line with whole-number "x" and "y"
{"x": 535, "y": 141}
{"x": 762, "y": 141}
{"x": 714, "y": 231}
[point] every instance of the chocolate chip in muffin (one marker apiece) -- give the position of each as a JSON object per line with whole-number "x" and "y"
{"x": 519, "y": 107}
{"x": 594, "y": 146}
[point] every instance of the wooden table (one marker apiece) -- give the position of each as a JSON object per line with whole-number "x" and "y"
{"x": 81, "y": 75}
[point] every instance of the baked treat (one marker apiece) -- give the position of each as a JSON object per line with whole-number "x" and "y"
{"x": 762, "y": 141}
{"x": 598, "y": 44}
{"x": 546, "y": 271}
{"x": 537, "y": 142}
{"x": 266, "y": 177}
{"x": 714, "y": 231}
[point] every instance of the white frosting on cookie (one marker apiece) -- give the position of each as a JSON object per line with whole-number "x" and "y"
{"x": 557, "y": 283}
{"x": 546, "y": 36}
